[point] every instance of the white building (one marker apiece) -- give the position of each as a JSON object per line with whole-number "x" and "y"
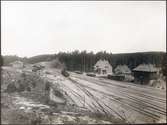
{"x": 103, "y": 67}
{"x": 122, "y": 69}
{"x": 17, "y": 64}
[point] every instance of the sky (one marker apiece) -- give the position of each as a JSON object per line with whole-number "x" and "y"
{"x": 30, "y": 28}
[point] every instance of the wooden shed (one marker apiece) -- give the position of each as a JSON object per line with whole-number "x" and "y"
{"x": 144, "y": 73}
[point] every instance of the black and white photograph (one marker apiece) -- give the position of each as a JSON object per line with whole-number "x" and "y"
{"x": 83, "y": 62}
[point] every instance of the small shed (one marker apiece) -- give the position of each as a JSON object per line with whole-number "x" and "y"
{"x": 144, "y": 73}
{"x": 103, "y": 67}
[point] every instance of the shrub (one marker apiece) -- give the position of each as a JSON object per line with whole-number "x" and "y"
{"x": 78, "y": 72}
{"x": 57, "y": 64}
{"x": 11, "y": 88}
{"x": 33, "y": 84}
{"x": 57, "y": 93}
{"x": 23, "y": 75}
{"x": 21, "y": 88}
{"x": 28, "y": 89}
{"x": 65, "y": 73}
{"x": 47, "y": 86}
{"x": 91, "y": 74}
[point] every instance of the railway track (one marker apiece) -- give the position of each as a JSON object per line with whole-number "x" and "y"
{"x": 148, "y": 105}
{"x": 139, "y": 92}
{"x": 140, "y": 101}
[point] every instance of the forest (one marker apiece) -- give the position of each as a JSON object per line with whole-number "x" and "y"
{"x": 84, "y": 61}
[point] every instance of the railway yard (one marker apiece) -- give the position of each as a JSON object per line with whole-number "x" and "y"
{"x": 126, "y": 101}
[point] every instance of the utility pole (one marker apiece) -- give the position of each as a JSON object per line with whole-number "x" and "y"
{"x": 84, "y": 63}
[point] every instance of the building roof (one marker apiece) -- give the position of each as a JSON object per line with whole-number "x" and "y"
{"x": 145, "y": 68}
{"x": 122, "y": 69}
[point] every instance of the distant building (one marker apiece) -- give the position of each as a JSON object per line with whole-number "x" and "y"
{"x": 17, "y": 64}
{"x": 123, "y": 70}
{"x": 144, "y": 73}
{"x": 103, "y": 67}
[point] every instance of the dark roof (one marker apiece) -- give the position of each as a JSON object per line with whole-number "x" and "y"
{"x": 145, "y": 68}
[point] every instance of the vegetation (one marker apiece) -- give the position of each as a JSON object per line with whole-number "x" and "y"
{"x": 65, "y": 73}
{"x": 40, "y": 58}
{"x": 11, "y": 58}
{"x": 91, "y": 74}
{"x": 55, "y": 63}
{"x": 84, "y": 61}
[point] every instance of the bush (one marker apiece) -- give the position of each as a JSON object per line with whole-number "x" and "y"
{"x": 28, "y": 89}
{"x": 57, "y": 64}
{"x": 78, "y": 72}
{"x": 58, "y": 93}
{"x": 33, "y": 84}
{"x": 47, "y": 86}
{"x": 21, "y": 88}
{"x": 37, "y": 67}
{"x": 19, "y": 117}
{"x": 23, "y": 75}
{"x": 47, "y": 72}
{"x": 91, "y": 74}
{"x": 11, "y": 88}
{"x": 65, "y": 73}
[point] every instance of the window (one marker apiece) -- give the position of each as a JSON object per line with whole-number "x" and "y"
{"x": 104, "y": 71}
{"x": 106, "y": 66}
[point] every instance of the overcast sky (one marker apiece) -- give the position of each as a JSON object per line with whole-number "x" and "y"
{"x": 31, "y": 28}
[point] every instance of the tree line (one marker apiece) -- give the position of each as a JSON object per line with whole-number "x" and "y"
{"x": 84, "y": 61}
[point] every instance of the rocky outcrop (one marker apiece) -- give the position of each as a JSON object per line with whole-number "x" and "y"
{"x": 33, "y": 86}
